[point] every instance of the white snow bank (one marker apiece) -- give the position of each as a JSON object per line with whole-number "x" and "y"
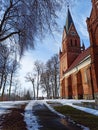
{"x": 29, "y": 118}
{"x": 4, "y": 106}
{"x": 88, "y": 110}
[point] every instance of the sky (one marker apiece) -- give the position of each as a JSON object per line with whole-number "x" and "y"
{"x": 45, "y": 49}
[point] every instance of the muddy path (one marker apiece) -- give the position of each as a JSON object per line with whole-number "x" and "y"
{"x": 49, "y": 120}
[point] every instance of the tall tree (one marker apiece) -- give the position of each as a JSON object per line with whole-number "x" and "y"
{"x": 7, "y": 66}
{"x": 4, "y": 60}
{"x": 31, "y": 78}
{"x": 55, "y": 66}
{"x": 26, "y": 20}
{"x": 12, "y": 71}
{"x": 50, "y": 77}
{"x": 45, "y": 84}
{"x": 38, "y": 66}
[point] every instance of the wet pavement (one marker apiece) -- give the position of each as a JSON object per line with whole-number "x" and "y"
{"x": 49, "y": 120}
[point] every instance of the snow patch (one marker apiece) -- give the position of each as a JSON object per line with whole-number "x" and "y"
{"x": 29, "y": 118}
{"x": 4, "y": 106}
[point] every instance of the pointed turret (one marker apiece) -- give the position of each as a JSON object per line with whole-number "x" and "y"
{"x": 60, "y": 52}
{"x": 69, "y": 21}
{"x": 83, "y": 47}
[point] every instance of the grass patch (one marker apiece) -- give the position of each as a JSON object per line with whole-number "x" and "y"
{"x": 79, "y": 116}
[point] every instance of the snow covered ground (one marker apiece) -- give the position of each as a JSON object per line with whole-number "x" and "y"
{"x": 4, "y": 106}
{"x": 31, "y": 120}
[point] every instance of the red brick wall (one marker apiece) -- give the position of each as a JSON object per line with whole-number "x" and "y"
{"x": 92, "y": 23}
{"x": 78, "y": 85}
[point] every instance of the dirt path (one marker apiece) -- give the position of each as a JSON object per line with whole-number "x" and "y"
{"x": 51, "y": 121}
{"x": 13, "y": 120}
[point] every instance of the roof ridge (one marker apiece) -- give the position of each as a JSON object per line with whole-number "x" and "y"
{"x": 81, "y": 56}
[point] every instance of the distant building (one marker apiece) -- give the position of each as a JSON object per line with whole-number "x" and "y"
{"x": 79, "y": 66}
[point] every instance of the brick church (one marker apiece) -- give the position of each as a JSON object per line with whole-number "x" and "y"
{"x": 79, "y": 66}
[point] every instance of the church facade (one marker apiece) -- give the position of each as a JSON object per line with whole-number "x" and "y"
{"x": 79, "y": 66}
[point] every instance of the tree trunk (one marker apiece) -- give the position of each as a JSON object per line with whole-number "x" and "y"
{"x": 2, "y": 95}
{"x": 1, "y": 80}
{"x": 33, "y": 89}
{"x": 38, "y": 86}
{"x": 10, "y": 85}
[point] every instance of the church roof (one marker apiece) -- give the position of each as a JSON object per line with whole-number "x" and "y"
{"x": 69, "y": 20}
{"x": 79, "y": 59}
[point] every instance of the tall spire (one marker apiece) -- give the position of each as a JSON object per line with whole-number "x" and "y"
{"x": 69, "y": 20}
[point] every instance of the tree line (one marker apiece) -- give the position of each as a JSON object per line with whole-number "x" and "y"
{"x": 8, "y": 68}
{"x": 45, "y": 78}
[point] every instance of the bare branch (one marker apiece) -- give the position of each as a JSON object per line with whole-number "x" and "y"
{"x": 9, "y": 35}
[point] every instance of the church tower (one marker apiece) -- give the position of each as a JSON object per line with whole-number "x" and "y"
{"x": 92, "y": 23}
{"x": 71, "y": 47}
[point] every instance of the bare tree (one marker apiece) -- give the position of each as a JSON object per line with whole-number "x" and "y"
{"x": 50, "y": 77}
{"x": 4, "y": 86}
{"x": 38, "y": 66}
{"x": 4, "y": 60}
{"x": 26, "y": 19}
{"x": 55, "y": 74}
{"x": 7, "y": 66}
{"x": 12, "y": 71}
{"x": 31, "y": 78}
{"x": 16, "y": 86}
{"x": 45, "y": 84}
{"x": 27, "y": 96}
